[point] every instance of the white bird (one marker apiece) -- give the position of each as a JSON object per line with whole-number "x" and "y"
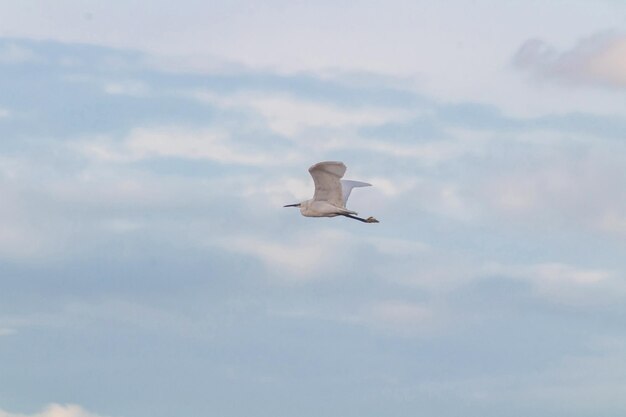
{"x": 331, "y": 193}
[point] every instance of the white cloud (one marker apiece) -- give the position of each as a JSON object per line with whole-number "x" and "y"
{"x": 146, "y": 143}
{"x": 393, "y": 187}
{"x": 279, "y": 191}
{"x": 299, "y": 259}
{"x": 429, "y": 153}
{"x": 54, "y": 410}
{"x": 289, "y": 115}
{"x": 567, "y": 284}
{"x": 316, "y": 254}
{"x": 599, "y": 59}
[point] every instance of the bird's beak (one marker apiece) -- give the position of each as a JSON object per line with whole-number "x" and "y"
{"x": 292, "y": 205}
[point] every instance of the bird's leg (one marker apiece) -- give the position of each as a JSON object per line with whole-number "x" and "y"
{"x": 368, "y": 220}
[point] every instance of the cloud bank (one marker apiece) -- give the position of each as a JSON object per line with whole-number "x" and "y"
{"x": 142, "y": 234}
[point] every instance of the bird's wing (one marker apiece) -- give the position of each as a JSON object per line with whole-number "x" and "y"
{"x": 326, "y": 176}
{"x": 348, "y": 185}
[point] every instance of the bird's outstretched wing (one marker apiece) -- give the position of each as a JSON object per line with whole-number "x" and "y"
{"x": 348, "y": 185}
{"x": 326, "y": 176}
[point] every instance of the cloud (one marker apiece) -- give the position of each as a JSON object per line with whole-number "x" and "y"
{"x": 55, "y": 410}
{"x": 565, "y": 181}
{"x": 288, "y": 115}
{"x": 300, "y": 259}
{"x": 402, "y": 318}
{"x": 320, "y": 253}
{"x": 126, "y": 87}
{"x": 597, "y": 60}
{"x": 11, "y": 53}
{"x": 173, "y": 142}
{"x": 613, "y": 222}
{"x": 567, "y": 284}
{"x": 6, "y": 331}
{"x": 162, "y": 211}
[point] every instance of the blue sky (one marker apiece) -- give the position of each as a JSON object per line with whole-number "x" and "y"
{"x": 148, "y": 268}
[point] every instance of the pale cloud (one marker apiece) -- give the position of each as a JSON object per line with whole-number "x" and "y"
{"x": 428, "y": 153}
{"x": 289, "y": 115}
{"x": 97, "y": 188}
{"x": 391, "y": 317}
{"x": 147, "y": 143}
{"x": 300, "y": 259}
{"x": 6, "y": 331}
{"x": 393, "y": 187}
{"x": 613, "y": 222}
{"x": 279, "y": 191}
{"x": 573, "y": 184}
{"x": 121, "y": 225}
{"x": 126, "y": 87}
{"x": 55, "y": 410}
{"x": 560, "y": 273}
{"x": 599, "y": 59}
{"x": 446, "y": 198}
{"x": 413, "y": 264}
{"x": 204, "y": 144}
{"x": 565, "y": 283}
{"x": 396, "y": 246}
{"x": 12, "y": 53}
{"x": 4, "y": 113}
{"x": 401, "y": 316}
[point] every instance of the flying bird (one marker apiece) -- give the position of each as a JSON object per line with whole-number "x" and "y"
{"x": 331, "y": 193}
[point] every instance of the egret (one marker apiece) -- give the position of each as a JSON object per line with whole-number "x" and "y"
{"x": 331, "y": 193}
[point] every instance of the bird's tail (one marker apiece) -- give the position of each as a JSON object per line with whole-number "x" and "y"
{"x": 346, "y": 211}
{"x": 348, "y": 185}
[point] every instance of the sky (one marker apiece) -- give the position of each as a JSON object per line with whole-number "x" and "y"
{"x": 148, "y": 268}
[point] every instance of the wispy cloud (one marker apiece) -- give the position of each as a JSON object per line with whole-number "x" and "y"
{"x": 298, "y": 259}
{"x": 402, "y": 317}
{"x": 288, "y": 115}
{"x": 6, "y": 331}
{"x": 597, "y": 60}
{"x": 164, "y": 142}
{"x": 55, "y": 410}
{"x": 12, "y": 53}
{"x": 567, "y": 284}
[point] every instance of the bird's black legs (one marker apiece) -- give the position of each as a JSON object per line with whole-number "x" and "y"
{"x": 368, "y": 220}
